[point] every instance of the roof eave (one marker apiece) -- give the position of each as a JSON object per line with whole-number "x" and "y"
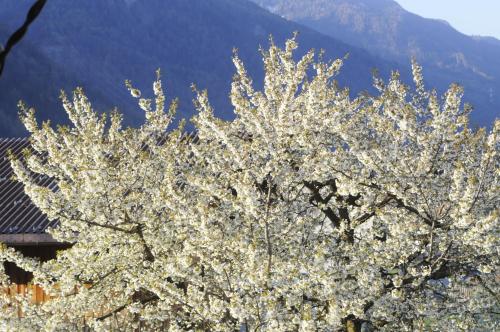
{"x": 27, "y": 239}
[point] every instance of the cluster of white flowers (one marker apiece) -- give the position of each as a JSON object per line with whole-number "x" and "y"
{"x": 310, "y": 211}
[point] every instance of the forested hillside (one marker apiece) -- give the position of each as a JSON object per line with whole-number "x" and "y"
{"x": 98, "y": 44}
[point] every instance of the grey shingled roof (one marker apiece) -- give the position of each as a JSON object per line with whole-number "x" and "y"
{"x": 18, "y": 215}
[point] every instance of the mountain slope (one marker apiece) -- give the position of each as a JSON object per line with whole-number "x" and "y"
{"x": 98, "y": 44}
{"x": 384, "y": 28}
{"x": 29, "y": 75}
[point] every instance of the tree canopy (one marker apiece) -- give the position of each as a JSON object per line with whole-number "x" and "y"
{"x": 310, "y": 211}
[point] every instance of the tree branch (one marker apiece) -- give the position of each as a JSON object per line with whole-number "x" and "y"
{"x": 151, "y": 298}
{"x": 19, "y": 34}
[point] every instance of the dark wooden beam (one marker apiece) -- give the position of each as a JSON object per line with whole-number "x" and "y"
{"x": 27, "y": 239}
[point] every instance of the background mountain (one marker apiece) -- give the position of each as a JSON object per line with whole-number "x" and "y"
{"x": 385, "y": 29}
{"x": 98, "y": 44}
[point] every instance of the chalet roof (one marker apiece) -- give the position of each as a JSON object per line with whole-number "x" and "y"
{"x": 21, "y": 222}
{"x": 18, "y": 215}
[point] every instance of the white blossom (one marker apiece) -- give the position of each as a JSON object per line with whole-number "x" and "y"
{"x": 310, "y": 211}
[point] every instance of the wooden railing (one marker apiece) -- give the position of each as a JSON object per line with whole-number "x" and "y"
{"x": 38, "y": 296}
{"x": 37, "y": 293}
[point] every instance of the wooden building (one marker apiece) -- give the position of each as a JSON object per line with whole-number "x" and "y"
{"x": 22, "y": 225}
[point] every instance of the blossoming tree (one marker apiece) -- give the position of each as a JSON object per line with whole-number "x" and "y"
{"x": 310, "y": 211}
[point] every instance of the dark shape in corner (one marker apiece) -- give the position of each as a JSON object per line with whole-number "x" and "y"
{"x": 18, "y": 35}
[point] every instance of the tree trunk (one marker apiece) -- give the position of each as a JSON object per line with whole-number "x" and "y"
{"x": 352, "y": 326}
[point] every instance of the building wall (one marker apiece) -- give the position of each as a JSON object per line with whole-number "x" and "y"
{"x": 43, "y": 252}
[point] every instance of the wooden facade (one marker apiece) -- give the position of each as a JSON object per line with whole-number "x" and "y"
{"x": 22, "y": 225}
{"x": 21, "y": 281}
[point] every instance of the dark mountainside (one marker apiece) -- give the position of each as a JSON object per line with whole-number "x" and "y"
{"x": 384, "y": 28}
{"x": 98, "y": 44}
